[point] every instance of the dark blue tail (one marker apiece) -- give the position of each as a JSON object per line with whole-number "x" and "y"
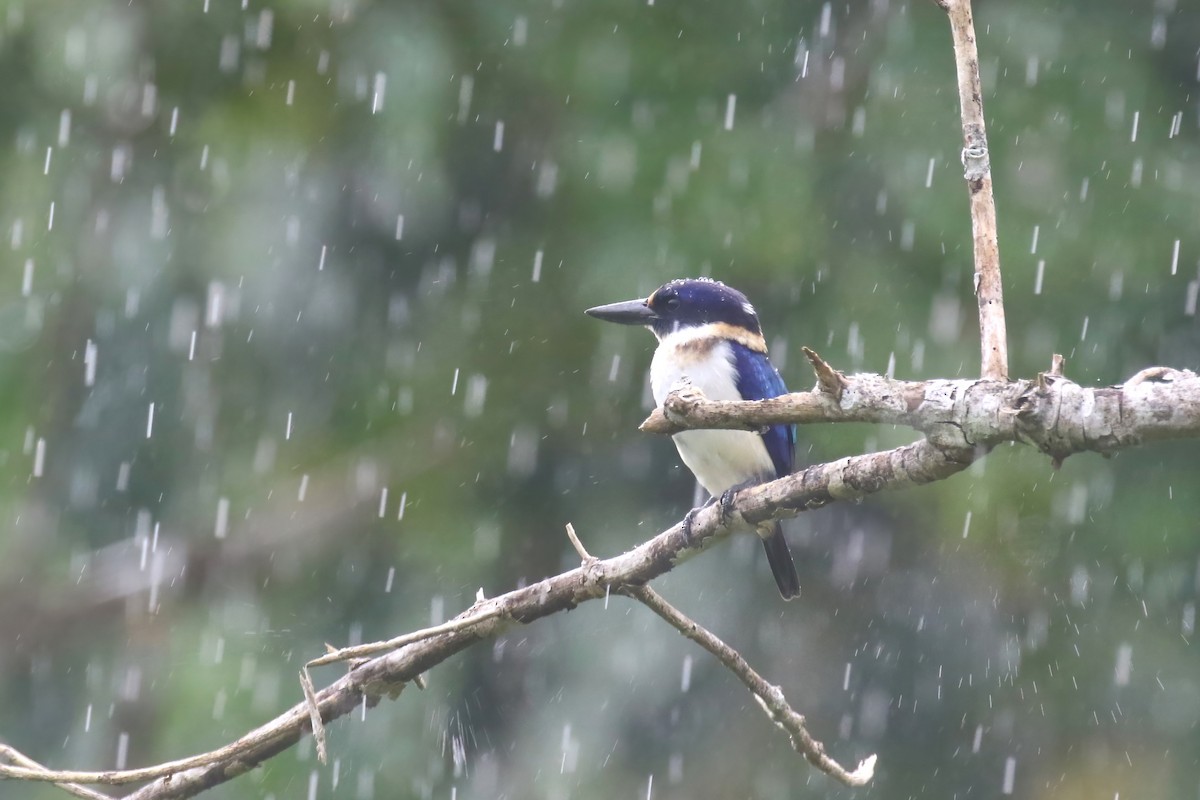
{"x": 780, "y": 559}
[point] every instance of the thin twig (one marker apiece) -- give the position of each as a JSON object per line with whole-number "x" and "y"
{"x": 770, "y": 697}
{"x": 584, "y": 555}
{"x": 829, "y": 380}
{"x": 17, "y": 757}
{"x": 314, "y": 714}
{"x": 376, "y": 648}
{"x": 978, "y": 173}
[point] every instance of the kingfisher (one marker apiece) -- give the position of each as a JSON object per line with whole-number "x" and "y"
{"x": 709, "y": 335}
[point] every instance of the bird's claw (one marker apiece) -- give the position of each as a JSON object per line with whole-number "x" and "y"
{"x": 726, "y": 504}
{"x": 728, "y": 496}
{"x": 689, "y": 520}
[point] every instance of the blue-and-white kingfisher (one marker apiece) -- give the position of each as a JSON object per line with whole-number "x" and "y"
{"x": 709, "y": 335}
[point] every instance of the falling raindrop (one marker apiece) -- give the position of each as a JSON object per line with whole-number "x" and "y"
{"x": 122, "y": 749}
{"x": 1079, "y": 585}
{"x": 378, "y": 89}
{"x": 89, "y": 363}
{"x": 214, "y": 308}
{"x": 466, "y": 88}
{"x": 1124, "y": 665}
{"x": 39, "y": 458}
{"x": 1116, "y": 285}
{"x": 858, "y": 123}
{"x": 1158, "y": 32}
{"x": 1010, "y": 774}
{"x": 476, "y": 394}
{"x": 221, "y": 529}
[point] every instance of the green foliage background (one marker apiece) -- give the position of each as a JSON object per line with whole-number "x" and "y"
{"x": 342, "y": 248}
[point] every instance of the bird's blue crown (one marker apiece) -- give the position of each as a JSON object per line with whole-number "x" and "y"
{"x": 690, "y": 302}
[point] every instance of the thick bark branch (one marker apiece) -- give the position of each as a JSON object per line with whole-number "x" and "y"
{"x": 1052, "y": 413}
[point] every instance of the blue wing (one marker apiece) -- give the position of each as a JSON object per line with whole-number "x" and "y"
{"x": 757, "y": 379}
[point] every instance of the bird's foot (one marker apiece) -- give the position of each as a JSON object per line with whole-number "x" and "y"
{"x": 689, "y": 519}
{"x": 727, "y": 505}
{"x": 727, "y": 497}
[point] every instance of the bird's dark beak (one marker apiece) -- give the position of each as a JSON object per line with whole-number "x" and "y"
{"x": 630, "y": 312}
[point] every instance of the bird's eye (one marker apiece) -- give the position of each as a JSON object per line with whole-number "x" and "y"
{"x": 672, "y": 303}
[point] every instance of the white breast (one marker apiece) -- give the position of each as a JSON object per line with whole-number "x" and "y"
{"x": 718, "y": 459}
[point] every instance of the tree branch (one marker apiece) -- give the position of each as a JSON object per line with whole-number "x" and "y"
{"x": 962, "y": 420}
{"x": 1053, "y": 413}
{"x": 770, "y": 697}
{"x": 978, "y": 173}
{"x": 20, "y": 759}
{"x": 386, "y": 675}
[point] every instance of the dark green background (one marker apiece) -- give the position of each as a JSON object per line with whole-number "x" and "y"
{"x": 949, "y": 628}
